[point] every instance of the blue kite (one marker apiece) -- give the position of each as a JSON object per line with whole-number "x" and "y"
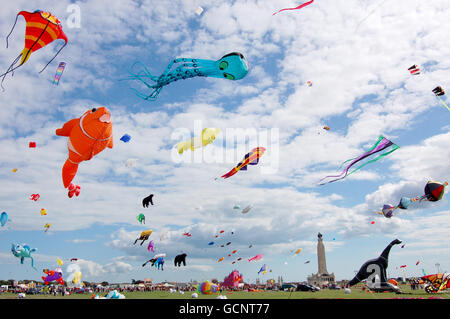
{"x": 232, "y": 66}
{"x": 22, "y": 252}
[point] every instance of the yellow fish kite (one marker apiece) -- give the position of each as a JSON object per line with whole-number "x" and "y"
{"x": 208, "y": 136}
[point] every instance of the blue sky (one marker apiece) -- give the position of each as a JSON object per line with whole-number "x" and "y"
{"x": 361, "y": 89}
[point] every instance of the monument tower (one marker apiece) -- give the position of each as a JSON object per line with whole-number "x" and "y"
{"x": 322, "y": 277}
{"x": 321, "y": 260}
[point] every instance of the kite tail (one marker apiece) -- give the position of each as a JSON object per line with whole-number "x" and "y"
{"x": 296, "y": 8}
{"x": 11, "y": 31}
{"x": 32, "y": 263}
{"x": 11, "y": 68}
{"x": 53, "y": 57}
{"x": 395, "y": 147}
{"x": 443, "y": 103}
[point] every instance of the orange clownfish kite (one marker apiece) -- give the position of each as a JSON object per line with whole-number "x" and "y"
{"x": 88, "y": 135}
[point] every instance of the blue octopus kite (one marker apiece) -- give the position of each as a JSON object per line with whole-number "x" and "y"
{"x": 232, "y": 66}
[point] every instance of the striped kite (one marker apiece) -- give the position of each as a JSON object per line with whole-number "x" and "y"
{"x": 251, "y": 158}
{"x": 42, "y": 28}
{"x": 438, "y": 91}
{"x": 59, "y": 72}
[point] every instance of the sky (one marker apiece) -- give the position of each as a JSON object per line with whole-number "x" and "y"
{"x": 356, "y": 53}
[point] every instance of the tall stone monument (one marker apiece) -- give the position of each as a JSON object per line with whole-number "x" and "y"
{"x": 322, "y": 277}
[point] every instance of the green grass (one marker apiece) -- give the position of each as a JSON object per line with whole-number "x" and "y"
{"x": 324, "y": 294}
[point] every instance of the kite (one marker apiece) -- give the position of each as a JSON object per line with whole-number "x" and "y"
{"x": 263, "y": 269}
{"x": 414, "y": 70}
{"x": 14, "y": 170}
{"x": 74, "y": 278}
{"x": 53, "y": 275}
{"x": 146, "y": 200}
{"x": 234, "y": 251}
{"x": 236, "y": 207}
{"x": 229, "y": 243}
{"x": 222, "y": 258}
{"x": 211, "y": 243}
{"x": 208, "y": 136}
{"x": 296, "y": 8}
{"x": 180, "y": 259}
{"x": 222, "y": 231}
{"x": 3, "y": 218}
{"x": 309, "y": 83}
{"x": 87, "y": 136}
{"x": 381, "y": 144}
{"x": 376, "y": 268}
{"x": 437, "y": 282}
{"x": 43, "y": 212}
{"x": 199, "y": 10}
{"x": 187, "y": 234}
{"x": 157, "y": 261}
{"x": 307, "y": 262}
{"x": 251, "y": 158}
{"x": 256, "y": 258}
{"x": 22, "y": 252}
{"x": 403, "y": 246}
{"x": 59, "y": 261}
{"x": 126, "y": 138}
{"x": 131, "y": 162}
{"x": 298, "y": 251}
{"x": 151, "y": 246}
{"x": 74, "y": 259}
{"x": 47, "y": 226}
{"x": 372, "y": 222}
{"x": 232, "y": 66}
{"x": 59, "y": 72}
{"x": 207, "y": 288}
{"x": 417, "y": 262}
{"x": 434, "y": 191}
{"x": 35, "y": 197}
{"x": 438, "y": 91}
{"x": 144, "y": 236}
{"x": 141, "y": 218}
{"x": 403, "y": 266}
{"x": 326, "y": 128}
{"x": 32, "y": 145}
{"x": 247, "y": 209}
{"x": 250, "y": 246}
{"x": 42, "y": 28}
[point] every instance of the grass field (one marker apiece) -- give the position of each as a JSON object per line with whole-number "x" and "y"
{"x": 324, "y": 294}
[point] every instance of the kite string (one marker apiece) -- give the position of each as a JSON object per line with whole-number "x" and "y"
{"x": 369, "y": 14}
{"x": 53, "y": 57}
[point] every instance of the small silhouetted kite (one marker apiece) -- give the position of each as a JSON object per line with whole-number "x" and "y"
{"x": 146, "y": 200}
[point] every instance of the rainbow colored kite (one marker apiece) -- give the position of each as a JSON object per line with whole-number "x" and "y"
{"x": 382, "y": 144}
{"x": 59, "y": 72}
